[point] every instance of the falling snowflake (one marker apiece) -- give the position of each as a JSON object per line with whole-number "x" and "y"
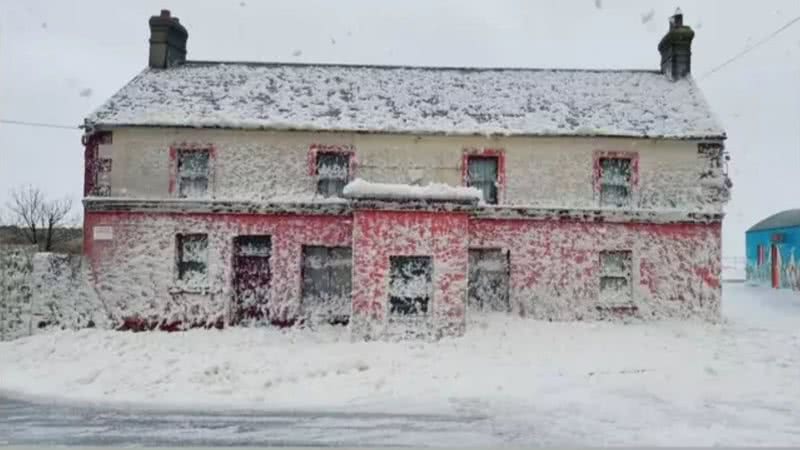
{"x": 648, "y": 16}
{"x": 297, "y": 53}
{"x": 87, "y": 92}
{"x": 333, "y": 41}
{"x": 44, "y": 25}
{"x": 598, "y": 4}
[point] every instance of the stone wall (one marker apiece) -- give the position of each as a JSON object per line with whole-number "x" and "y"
{"x": 15, "y": 290}
{"x": 43, "y": 291}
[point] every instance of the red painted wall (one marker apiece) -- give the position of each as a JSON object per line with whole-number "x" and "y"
{"x": 377, "y": 235}
{"x": 555, "y": 265}
{"x": 135, "y": 271}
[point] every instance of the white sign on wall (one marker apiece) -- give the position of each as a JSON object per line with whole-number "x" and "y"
{"x": 103, "y": 233}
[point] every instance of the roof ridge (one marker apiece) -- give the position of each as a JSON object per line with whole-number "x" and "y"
{"x": 409, "y": 66}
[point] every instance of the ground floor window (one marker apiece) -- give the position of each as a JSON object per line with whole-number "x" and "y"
{"x": 192, "y": 259}
{"x": 616, "y": 287}
{"x": 410, "y": 285}
{"x": 327, "y": 283}
{"x": 251, "y": 277}
{"x": 487, "y": 288}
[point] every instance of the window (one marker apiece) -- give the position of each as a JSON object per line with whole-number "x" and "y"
{"x": 487, "y": 288}
{"x": 615, "y": 277}
{"x": 333, "y": 173}
{"x": 615, "y": 181}
{"x": 410, "y": 285}
{"x": 192, "y": 173}
{"x": 327, "y": 282}
{"x": 482, "y": 174}
{"x": 193, "y": 258}
{"x": 103, "y": 184}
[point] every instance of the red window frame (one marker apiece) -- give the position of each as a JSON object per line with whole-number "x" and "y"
{"x": 173, "y": 163}
{"x": 498, "y": 153}
{"x": 633, "y": 157}
{"x": 91, "y": 159}
{"x": 315, "y": 149}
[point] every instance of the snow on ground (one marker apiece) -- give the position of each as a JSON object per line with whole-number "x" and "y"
{"x": 734, "y": 383}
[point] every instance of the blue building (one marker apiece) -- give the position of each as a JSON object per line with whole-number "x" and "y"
{"x": 773, "y": 250}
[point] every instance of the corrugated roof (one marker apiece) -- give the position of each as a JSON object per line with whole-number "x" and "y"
{"x": 419, "y": 100}
{"x": 788, "y": 218}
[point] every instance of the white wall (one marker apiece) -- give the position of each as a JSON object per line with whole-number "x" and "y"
{"x": 544, "y": 172}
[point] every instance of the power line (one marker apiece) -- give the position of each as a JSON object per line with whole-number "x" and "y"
{"x": 751, "y": 48}
{"x": 38, "y": 124}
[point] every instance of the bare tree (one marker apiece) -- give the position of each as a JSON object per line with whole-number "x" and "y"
{"x": 35, "y": 217}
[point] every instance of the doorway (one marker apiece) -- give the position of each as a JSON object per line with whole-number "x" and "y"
{"x": 776, "y": 267}
{"x": 251, "y": 278}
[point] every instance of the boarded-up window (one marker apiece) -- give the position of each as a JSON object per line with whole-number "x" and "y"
{"x": 615, "y": 181}
{"x": 410, "y": 285}
{"x": 251, "y": 277}
{"x": 615, "y": 277}
{"x": 488, "y": 280}
{"x": 327, "y": 283}
{"x": 482, "y": 174}
{"x": 333, "y": 173}
{"x": 192, "y": 258}
{"x": 193, "y": 172}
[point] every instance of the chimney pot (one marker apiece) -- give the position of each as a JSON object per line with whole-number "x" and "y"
{"x": 167, "y": 41}
{"x": 676, "y": 48}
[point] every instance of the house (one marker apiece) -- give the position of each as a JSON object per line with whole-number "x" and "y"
{"x": 402, "y": 199}
{"x": 773, "y": 250}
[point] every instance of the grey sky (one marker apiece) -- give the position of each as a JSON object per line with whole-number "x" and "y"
{"x": 59, "y": 60}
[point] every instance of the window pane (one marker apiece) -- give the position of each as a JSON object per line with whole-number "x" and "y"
{"x": 193, "y": 163}
{"x": 331, "y": 187}
{"x": 193, "y": 187}
{"x": 192, "y": 173}
{"x": 615, "y": 263}
{"x": 333, "y": 165}
{"x": 258, "y": 246}
{"x": 410, "y": 284}
{"x": 192, "y": 258}
{"x": 482, "y": 174}
{"x": 616, "y": 171}
{"x": 615, "y": 276}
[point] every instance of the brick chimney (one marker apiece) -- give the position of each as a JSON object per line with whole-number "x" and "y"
{"x": 167, "y": 41}
{"x": 676, "y": 48}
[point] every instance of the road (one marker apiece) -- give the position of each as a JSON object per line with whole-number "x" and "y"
{"x": 27, "y": 423}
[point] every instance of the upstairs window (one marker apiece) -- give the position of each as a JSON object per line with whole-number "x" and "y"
{"x": 193, "y": 173}
{"x": 333, "y": 173}
{"x": 615, "y": 181}
{"x": 482, "y": 174}
{"x": 615, "y": 277}
{"x": 410, "y": 285}
{"x": 192, "y": 258}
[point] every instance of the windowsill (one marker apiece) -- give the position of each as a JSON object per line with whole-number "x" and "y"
{"x": 185, "y": 289}
{"x": 617, "y": 307}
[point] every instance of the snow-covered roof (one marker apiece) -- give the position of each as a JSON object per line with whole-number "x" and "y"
{"x": 419, "y": 100}
{"x": 788, "y": 218}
